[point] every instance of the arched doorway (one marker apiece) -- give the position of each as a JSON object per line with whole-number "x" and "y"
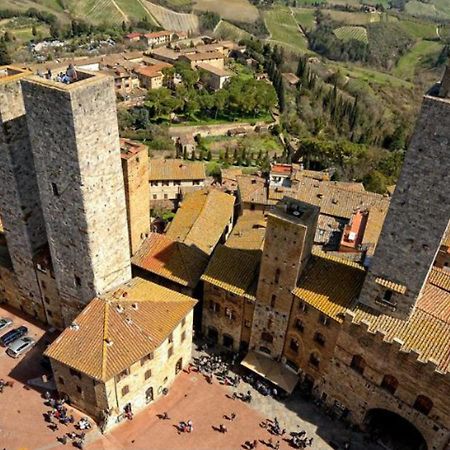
{"x": 213, "y": 334}
{"x": 393, "y": 431}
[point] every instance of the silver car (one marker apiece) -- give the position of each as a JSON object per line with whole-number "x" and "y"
{"x": 20, "y": 346}
{"x": 5, "y": 322}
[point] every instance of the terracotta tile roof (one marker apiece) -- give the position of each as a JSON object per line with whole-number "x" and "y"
{"x": 152, "y": 71}
{"x": 253, "y": 189}
{"x": 330, "y": 284}
{"x": 314, "y": 174}
{"x": 204, "y": 56}
{"x": 440, "y": 278}
{"x": 230, "y": 174}
{"x": 446, "y": 240}
{"x": 175, "y": 169}
{"x": 201, "y": 219}
{"x": 119, "y": 328}
{"x": 427, "y": 331}
{"x": 235, "y": 266}
{"x": 215, "y": 70}
{"x": 157, "y": 34}
{"x": 170, "y": 259}
{"x": 396, "y": 287}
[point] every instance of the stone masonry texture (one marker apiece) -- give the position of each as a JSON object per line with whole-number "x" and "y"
{"x": 419, "y": 212}
{"x": 75, "y": 142}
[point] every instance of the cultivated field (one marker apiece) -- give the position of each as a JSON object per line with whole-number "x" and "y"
{"x": 284, "y": 30}
{"x": 304, "y": 17}
{"x": 421, "y": 30}
{"x": 239, "y": 10}
{"x": 408, "y": 64}
{"x": 416, "y": 8}
{"x": 171, "y": 20}
{"x": 347, "y": 33}
{"x": 228, "y": 31}
{"x": 353, "y": 18}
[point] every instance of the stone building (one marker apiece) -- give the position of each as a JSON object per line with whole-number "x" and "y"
{"x": 76, "y": 149}
{"x": 20, "y": 205}
{"x": 287, "y": 248}
{"x": 101, "y": 371}
{"x": 135, "y": 174}
{"x": 229, "y": 285}
{"x": 168, "y": 176}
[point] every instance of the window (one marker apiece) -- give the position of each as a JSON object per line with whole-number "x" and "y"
{"x": 389, "y": 383}
{"x": 170, "y": 352}
{"x": 267, "y": 337}
{"x": 196, "y": 183}
{"x": 358, "y": 364}
{"x": 294, "y": 345}
{"x": 171, "y": 338}
{"x": 302, "y": 306}
{"x": 314, "y": 360}
{"x": 423, "y": 404}
{"x": 183, "y": 336}
{"x": 77, "y": 280}
{"x": 79, "y": 390}
{"x": 155, "y": 197}
{"x": 387, "y": 297}
{"x": 75, "y": 373}
{"x": 55, "y": 190}
{"x": 177, "y": 183}
{"x": 47, "y": 300}
{"x": 273, "y": 301}
{"x": 148, "y": 374}
{"x": 165, "y": 183}
{"x": 166, "y": 196}
{"x": 183, "y": 321}
{"x": 247, "y": 324}
{"x": 49, "y": 313}
{"x": 60, "y": 380}
{"x": 125, "y": 390}
{"x": 43, "y": 285}
{"x": 122, "y": 375}
{"x": 277, "y": 276}
{"x": 324, "y": 320}
{"x": 320, "y": 339}
{"x": 229, "y": 314}
{"x": 146, "y": 358}
{"x": 214, "y": 307}
{"x": 299, "y": 325}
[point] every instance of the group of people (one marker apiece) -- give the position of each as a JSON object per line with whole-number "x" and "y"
{"x": 300, "y": 440}
{"x": 67, "y": 77}
{"x": 210, "y": 366}
{"x": 247, "y": 397}
{"x": 185, "y": 427}
{"x": 59, "y": 413}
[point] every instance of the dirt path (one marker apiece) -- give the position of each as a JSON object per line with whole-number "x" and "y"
{"x": 125, "y": 17}
{"x": 148, "y": 12}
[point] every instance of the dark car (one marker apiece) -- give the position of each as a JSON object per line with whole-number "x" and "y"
{"x": 12, "y": 335}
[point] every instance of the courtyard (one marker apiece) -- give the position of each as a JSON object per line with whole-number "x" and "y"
{"x": 191, "y": 397}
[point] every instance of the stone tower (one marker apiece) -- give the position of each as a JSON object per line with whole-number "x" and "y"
{"x": 418, "y": 215}
{"x": 20, "y": 207}
{"x": 137, "y": 193}
{"x": 76, "y": 148}
{"x": 287, "y": 247}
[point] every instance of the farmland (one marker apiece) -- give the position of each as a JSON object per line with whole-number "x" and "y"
{"x": 171, "y": 20}
{"x": 241, "y": 10}
{"x": 228, "y": 31}
{"x": 304, "y": 17}
{"x": 347, "y": 33}
{"x": 284, "y": 30}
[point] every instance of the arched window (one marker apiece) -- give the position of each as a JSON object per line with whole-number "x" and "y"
{"x": 314, "y": 360}
{"x": 319, "y": 338}
{"x": 389, "y": 383}
{"x": 358, "y": 364}
{"x": 423, "y": 404}
{"x": 267, "y": 337}
{"x": 299, "y": 325}
{"x": 294, "y": 345}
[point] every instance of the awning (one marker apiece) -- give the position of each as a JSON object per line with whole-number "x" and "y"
{"x": 272, "y": 370}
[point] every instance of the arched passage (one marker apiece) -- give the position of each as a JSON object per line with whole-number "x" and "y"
{"x": 394, "y": 431}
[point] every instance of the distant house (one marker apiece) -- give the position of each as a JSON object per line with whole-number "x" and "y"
{"x": 168, "y": 176}
{"x": 215, "y": 59}
{"x": 133, "y": 37}
{"x": 214, "y": 77}
{"x": 165, "y": 54}
{"x": 291, "y": 78}
{"x": 156, "y": 38}
{"x": 151, "y": 77}
{"x": 124, "y": 80}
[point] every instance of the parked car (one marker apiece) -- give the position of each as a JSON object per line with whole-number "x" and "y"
{"x": 20, "y": 346}
{"x": 12, "y": 335}
{"x": 5, "y": 322}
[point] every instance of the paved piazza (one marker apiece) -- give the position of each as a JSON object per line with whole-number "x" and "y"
{"x": 22, "y": 425}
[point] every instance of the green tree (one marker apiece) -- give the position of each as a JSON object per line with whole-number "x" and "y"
{"x": 34, "y": 30}
{"x": 375, "y": 182}
{"x": 5, "y": 57}
{"x": 124, "y": 26}
{"x": 208, "y": 155}
{"x": 193, "y": 155}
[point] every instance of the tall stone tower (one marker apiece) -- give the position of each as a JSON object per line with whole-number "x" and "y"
{"x": 287, "y": 247}
{"x": 137, "y": 193}
{"x": 418, "y": 215}
{"x": 75, "y": 143}
{"x": 20, "y": 206}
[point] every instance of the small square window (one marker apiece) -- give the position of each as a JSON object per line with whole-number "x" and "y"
{"x": 148, "y": 374}
{"x": 79, "y": 390}
{"x": 169, "y": 352}
{"x": 60, "y": 380}
{"x": 183, "y": 336}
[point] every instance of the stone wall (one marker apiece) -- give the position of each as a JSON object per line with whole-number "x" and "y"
{"x": 381, "y": 358}
{"x": 76, "y": 148}
{"x": 135, "y": 174}
{"x": 418, "y": 215}
{"x": 19, "y": 200}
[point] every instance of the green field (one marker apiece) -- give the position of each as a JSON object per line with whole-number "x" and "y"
{"x": 305, "y": 18}
{"x": 408, "y": 64}
{"x": 419, "y": 30}
{"x": 284, "y": 29}
{"x": 228, "y": 31}
{"x": 348, "y": 33}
